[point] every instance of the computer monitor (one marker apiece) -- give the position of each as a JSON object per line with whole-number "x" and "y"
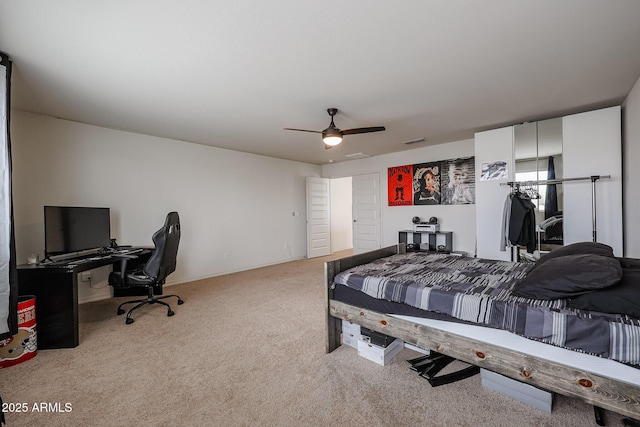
{"x": 71, "y": 229}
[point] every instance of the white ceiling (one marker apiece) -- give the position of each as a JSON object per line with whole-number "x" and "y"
{"x": 233, "y": 74}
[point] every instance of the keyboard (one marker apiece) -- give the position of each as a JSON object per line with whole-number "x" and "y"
{"x": 70, "y": 262}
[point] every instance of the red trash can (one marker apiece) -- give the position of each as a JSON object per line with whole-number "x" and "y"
{"x": 23, "y": 345}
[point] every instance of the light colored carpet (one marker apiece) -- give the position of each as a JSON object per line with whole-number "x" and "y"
{"x": 247, "y": 349}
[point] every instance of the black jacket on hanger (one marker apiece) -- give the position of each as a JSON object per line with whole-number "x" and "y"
{"x": 522, "y": 222}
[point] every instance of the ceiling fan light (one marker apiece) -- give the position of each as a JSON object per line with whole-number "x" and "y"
{"x": 331, "y": 136}
{"x": 332, "y": 140}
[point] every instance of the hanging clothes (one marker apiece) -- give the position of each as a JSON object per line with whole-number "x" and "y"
{"x": 504, "y": 230}
{"x": 522, "y": 222}
{"x": 518, "y": 222}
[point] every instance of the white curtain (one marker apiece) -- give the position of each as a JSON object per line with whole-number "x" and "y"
{"x": 8, "y": 276}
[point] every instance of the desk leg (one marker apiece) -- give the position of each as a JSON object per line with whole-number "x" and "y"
{"x": 56, "y": 305}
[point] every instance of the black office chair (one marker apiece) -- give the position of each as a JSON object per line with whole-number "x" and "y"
{"x": 153, "y": 274}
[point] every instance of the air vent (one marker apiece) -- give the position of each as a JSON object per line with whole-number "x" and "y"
{"x": 357, "y": 156}
{"x": 414, "y": 141}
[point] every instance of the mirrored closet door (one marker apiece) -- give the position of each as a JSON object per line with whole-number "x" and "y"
{"x": 537, "y": 148}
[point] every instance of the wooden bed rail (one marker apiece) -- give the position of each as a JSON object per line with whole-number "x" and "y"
{"x": 615, "y": 395}
{"x": 606, "y": 393}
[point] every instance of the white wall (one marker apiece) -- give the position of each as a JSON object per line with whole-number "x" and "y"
{"x": 631, "y": 171}
{"x": 460, "y": 219}
{"x": 341, "y": 215}
{"x": 228, "y": 201}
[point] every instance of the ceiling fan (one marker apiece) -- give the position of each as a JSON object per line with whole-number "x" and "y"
{"x": 332, "y": 136}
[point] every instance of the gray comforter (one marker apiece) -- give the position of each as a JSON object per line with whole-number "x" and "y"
{"x": 479, "y": 291}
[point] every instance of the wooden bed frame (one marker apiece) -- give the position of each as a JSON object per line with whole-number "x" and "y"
{"x": 596, "y": 389}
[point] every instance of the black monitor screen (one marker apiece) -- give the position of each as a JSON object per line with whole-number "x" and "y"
{"x": 73, "y": 229}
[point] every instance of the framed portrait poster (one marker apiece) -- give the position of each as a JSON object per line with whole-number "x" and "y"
{"x": 399, "y": 185}
{"x": 426, "y": 184}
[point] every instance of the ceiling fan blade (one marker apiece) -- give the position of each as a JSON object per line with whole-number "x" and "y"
{"x": 304, "y": 130}
{"x": 363, "y": 130}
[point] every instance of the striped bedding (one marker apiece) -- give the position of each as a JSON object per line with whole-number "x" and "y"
{"x": 479, "y": 291}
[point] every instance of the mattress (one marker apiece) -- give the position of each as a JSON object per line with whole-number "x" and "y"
{"x": 479, "y": 291}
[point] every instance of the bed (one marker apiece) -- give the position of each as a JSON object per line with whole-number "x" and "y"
{"x": 511, "y": 318}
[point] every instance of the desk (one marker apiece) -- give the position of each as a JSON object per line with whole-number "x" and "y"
{"x": 56, "y": 291}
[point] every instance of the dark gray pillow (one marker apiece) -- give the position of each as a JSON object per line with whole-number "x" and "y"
{"x": 623, "y": 298}
{"x": 579, "y": 248}
{"x": 568, "y": 276}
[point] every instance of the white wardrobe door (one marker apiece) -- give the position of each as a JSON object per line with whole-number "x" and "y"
{"x": 491, "y": 146}
{"x": 592, "y": 145}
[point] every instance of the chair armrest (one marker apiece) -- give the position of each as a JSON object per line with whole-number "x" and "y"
{"x": 124, "y": 259}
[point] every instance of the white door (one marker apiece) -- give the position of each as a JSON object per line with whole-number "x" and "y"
{"x": 318, "y": 217}
{"x": 366, "y": 212}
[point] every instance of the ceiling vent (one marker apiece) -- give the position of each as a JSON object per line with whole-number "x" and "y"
{"x": 357, "y": 156}
{"x": 414, "y": 141}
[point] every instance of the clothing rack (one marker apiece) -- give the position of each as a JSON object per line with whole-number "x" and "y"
{"x": 592, "y": 178}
